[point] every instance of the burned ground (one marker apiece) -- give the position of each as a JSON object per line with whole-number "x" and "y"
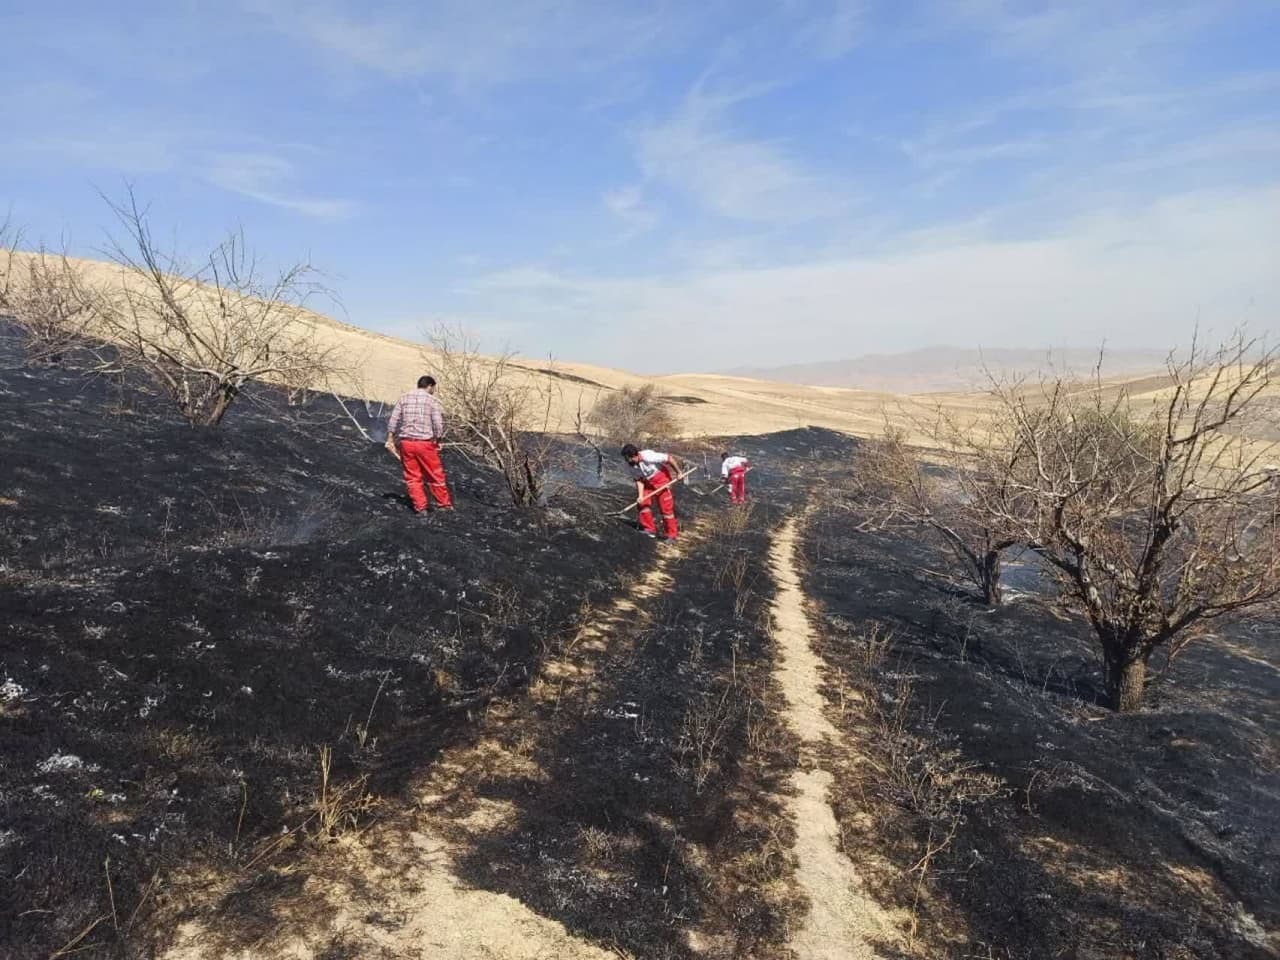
{"x": 1077, "y": 832}
{"x": 190, "y": 616}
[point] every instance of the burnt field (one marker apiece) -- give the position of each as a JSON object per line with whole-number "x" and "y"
{"x": 250, "y": 706}
{"x": 190, "y": 617}
{"x": 1014, "y": 815}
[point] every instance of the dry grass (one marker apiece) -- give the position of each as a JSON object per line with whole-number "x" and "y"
{"x": 339, "y": 808}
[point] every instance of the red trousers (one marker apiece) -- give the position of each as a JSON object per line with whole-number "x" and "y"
{"x": 666, "y": 503}
{"x": 738, "y": 485}
{"x": 421, "y": 459}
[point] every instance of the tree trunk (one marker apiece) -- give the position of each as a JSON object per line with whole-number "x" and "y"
{"x": 1124, "y": 676}
{"x": 992, "y": 588}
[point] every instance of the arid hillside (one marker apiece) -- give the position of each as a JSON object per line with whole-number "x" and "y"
{"x": 367, "y": 364}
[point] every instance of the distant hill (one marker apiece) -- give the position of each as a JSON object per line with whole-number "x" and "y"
{"x": 949, "y": 369}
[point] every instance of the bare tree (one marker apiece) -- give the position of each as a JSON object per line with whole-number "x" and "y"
{"x": 45, "y": 296}
{"x": 1161, "y": 517}
{"x": 202, "y": 333}
{"x": 954, "y": 496}
{"x": 591, "y": 436}
{"x": 496, "y": 411}
{"x": 636, "y": 414}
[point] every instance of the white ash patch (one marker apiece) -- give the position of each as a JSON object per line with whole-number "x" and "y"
{"x": 8, "y": 838}
{"x": 101, "y": 796}
{"x": 337, "y": 673}
{"x": 60, "y": 762}
{"x": 624, "y": 711}
{"x": 110, "y": 510}
{"x": 42, "y": 791}
{"x": 11, "y": 690}
{"x": 94, "y": 631}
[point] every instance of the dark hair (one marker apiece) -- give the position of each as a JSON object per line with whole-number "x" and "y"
{"x": 630, "y": 450}
{"x": 724, "y": 456}
{"x": 426, "y": 381}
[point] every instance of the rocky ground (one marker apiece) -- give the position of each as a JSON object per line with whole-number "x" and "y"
{"x": 548, "y": 736}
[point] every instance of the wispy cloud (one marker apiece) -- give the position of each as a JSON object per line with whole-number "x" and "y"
{"x": 740, "y": 177}
{"x": 1095, "y": 41}
{"x": 265, "y": 178}
{"x": 135, "y": 154}
{"x": 628, "y": 205}
{"x": 1131, "y": 276}
{"x": 472, "y": 43}
{"x": 829, "y": 28}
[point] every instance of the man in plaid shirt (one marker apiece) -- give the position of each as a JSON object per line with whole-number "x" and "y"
{"x": 417, "y": 422}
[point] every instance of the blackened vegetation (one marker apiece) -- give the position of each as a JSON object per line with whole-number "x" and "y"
{"x": 656, "y": 808}
{"x": 189, "y": 616}
{"x": 1069, "y": 831}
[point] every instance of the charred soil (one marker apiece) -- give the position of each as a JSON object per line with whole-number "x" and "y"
{"x": 1022, "y": 819}
{"x": 193, "y": 619}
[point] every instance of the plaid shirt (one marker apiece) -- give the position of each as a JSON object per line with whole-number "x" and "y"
{"x": 417, "y": 416}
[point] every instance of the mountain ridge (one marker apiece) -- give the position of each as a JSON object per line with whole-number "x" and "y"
{"x": 944, "y": 368}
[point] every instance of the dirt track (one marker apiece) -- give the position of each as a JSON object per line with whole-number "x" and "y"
{"x": 440, "y": 915}
{"x": 844, "y": 922}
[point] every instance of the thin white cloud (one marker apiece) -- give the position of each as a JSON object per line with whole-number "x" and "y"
{"x": 734, "y": 176}
{"x": 135, "y": 154}
{"x": 628, "y": 205}
{"x": 1132, "y": 277}
{"x": 1097, "y": 41}
{"x": 262, "y": 177}
{"x": 468, "y": 41}
{"x": 830, "y": 28}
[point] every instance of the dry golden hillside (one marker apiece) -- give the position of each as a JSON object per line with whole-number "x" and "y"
{"x": 381, "y": 367}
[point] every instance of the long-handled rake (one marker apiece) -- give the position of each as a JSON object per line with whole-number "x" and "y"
{"x": 635, "y": 503}
{"x": 722, "y": 485}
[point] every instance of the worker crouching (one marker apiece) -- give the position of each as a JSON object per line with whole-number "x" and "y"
{"x": 733, "y": 471}
{"x": 654, "y": 473}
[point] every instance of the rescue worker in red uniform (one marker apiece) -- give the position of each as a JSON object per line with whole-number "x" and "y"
{"x": 418, "y": 424}
{"x": 733, "y": 471}
{"x": 654, "y": 473}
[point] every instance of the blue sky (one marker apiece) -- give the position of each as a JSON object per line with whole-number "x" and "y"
{"x": 684, "y": 186}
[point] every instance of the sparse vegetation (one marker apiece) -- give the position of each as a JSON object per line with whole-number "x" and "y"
{"x": 495, "y": 412}
{"x": 339, "y": 807}
{"x": 201, "y": 333}
{"x": 45, "y": 295}
{"x": 634, "y": 415}
{"x": 894, "y": 487}
{"x": 1159, "y": 518}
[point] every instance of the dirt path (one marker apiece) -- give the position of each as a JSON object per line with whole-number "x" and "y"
{"x": 394, "y": 892}
{"x": 843, "y": 923}
{"x": 398, "y": 891}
